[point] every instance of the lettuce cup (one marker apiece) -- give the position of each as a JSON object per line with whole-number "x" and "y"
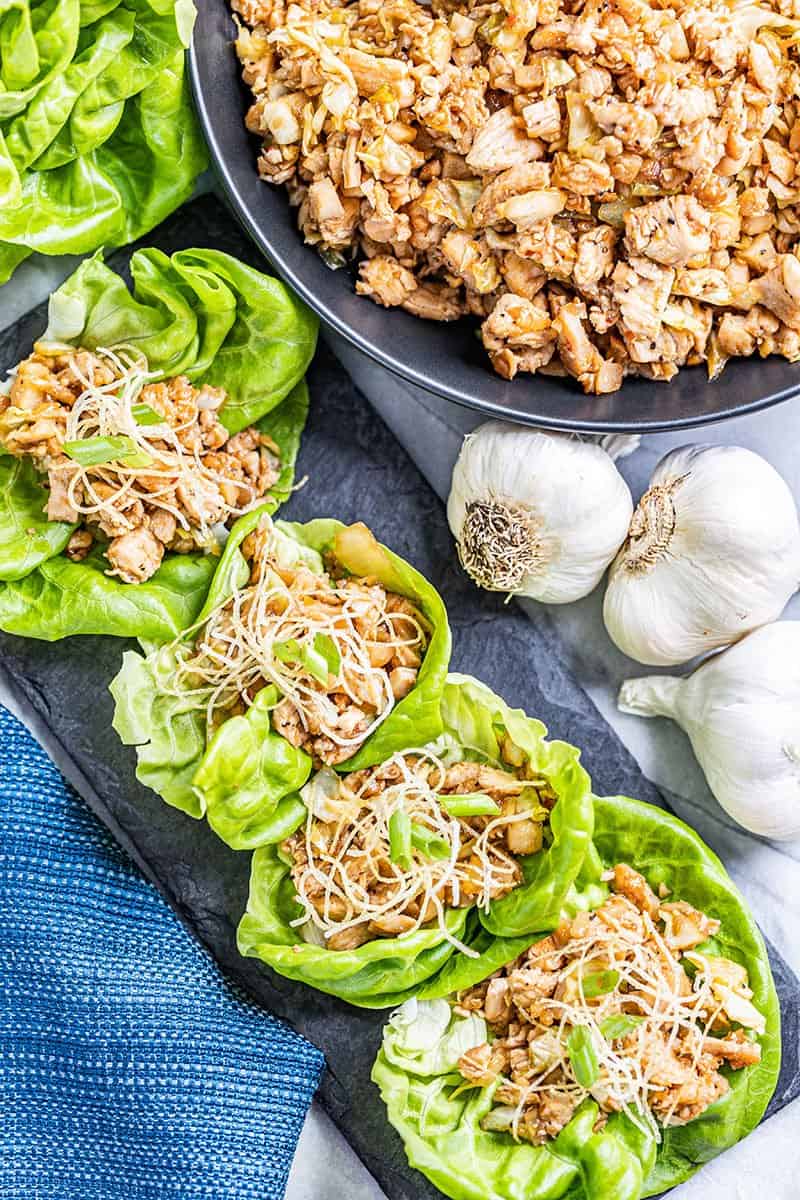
{"x": 374, "y": 878}
{"x": 610, "y": 1059}
{"x": 136, "y": 432}
{"x": 316, "y": 646}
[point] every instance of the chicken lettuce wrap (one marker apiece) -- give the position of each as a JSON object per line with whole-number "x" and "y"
{"x": 610, "y": 1059}
{"x": 136, "y": 432}
{"x": 377, "y": 876}
{"x": 316, "y": 646}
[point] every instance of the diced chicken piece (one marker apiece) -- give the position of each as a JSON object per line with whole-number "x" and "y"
{"x": 476, "y": 1065}
{"x": 779, "y": 290}
{"x": 674, "y": 232}
{"x": 135, "y": 556}
{"x": 578, "y": 354}
{"x": 402, "y": 680}
{"x": 59, "y": 505}
{"x": 684, "y": 1102}
{"x": 736, "y": 1049}
{"x": 635, "y": 887}
{"x": 497, "y": 1005}
{"x": 633, "y": 125}
{"x": 595, "y": 259}
{"x": 742, "y": 335}
{"x": 372, "y": 73}
{"x": 434, "y": 302}
{"x": 641, "y": 290}
{"x": 348, "y": 939}
{"x": 583, "y": 176}
{"x": 385, "y": 281}
{"x": 502, "y": 143}
{"x": 685, "y": 926}
{"x": 526, "y": 177}
{"x": 524, "y": 837}
{"x": 335, "y": 217}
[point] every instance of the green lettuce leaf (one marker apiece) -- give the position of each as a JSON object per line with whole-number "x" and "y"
{"x": 473, "y": 718}
{"x": 41, "y": 595}
{"x": 98, "y": 137}
{"x": 479, "y": 719}
{"x": 62, "y": 598}
{"x": 247, "y": 778}
{"x": 27, "y": 538}
{"x": 375, "y": 975}
{"x": 200, "y": 313}
{"x": 439, "y": 1121}
{"x": 37, "y": 41}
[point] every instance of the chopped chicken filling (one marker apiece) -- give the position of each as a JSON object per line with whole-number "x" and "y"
{"x": 356, "y": 882}
{"x": 557, "y": 170}
{"x": 605, "y": 1007}
{"x": 340, "y": 652}
{"x": 171, "y": 473}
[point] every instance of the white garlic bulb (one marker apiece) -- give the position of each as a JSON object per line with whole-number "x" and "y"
{"x": 712, "y": 553}
{"x": 741, "y": 710}
{"x": 536, "y": 514}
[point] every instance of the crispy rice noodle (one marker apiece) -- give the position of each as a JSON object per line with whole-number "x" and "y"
{"x": 664, "y": 1065}
{"x": 233, "y": 658}
{"x": 106, "y": 410}
{"x": 346, "y": 865}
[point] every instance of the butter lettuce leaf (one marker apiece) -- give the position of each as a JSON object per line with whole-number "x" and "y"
{"x": 40, "y": 589}
{"x": 247, "y": 779}
{"x": 376, "y": 975}
{"x": 439, "y": 1121}
{"x": 98, "y": 137}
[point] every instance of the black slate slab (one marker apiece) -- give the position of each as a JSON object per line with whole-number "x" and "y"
{"x": 356, "y": 471}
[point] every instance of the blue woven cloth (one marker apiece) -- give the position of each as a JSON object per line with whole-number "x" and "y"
{"x": 130, "y": 1069}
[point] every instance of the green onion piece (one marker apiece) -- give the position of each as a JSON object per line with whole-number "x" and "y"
{"x": 94, "y": 451}
{"x": 400, "y": 838}
{"x": 143, "y": 414}
{"x": 470, "y": 804}
{"x": 326, "y": 647}
{"x": 619, "y": 1025}
{"x": 583, "y": 1057}
{"x": 293, "y": 651}
{"x": 429, "y": 843}
{"x": 599, "y": 983}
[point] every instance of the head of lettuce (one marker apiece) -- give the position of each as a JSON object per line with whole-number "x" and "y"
{"x": 143, "y": 423}
{"x": 609, "y": 1060}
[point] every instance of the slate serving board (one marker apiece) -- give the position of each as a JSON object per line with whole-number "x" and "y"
{"x": 356, "y": 471}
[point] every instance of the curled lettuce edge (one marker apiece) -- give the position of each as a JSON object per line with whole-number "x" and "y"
{"x": 440, "y": 1124}
{"x": 245, "y": 779}
{"x": 473, "y": 717}
{"x": 188, "y": 317}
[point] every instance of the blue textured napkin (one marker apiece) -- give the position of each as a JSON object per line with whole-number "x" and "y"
{"x": 130, "y": 1069}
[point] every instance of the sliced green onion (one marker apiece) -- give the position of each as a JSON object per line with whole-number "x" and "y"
{"x": 619, "y": 1025}
{"x": 429, "y": 843}
{"x": 599, "y": 983}
{"x": 143, "y": 414}
{"x": 326, "y": 647}
{"x": 470, "y": 804}
{"x": 94, "y": 451}
{"x": 583, "y": 1057}
{"x": 400, "y": 838}
{"x": 310, "y": 659}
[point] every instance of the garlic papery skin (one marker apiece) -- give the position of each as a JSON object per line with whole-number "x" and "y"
{"x": 713, "y": 552}
{"x": 741, "y": 710}
{"x": 536, "y": 514}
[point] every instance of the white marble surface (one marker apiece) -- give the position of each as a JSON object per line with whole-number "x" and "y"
{"x": 767, "y": 1165}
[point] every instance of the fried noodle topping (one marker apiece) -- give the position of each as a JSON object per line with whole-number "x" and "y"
{"x": 610, "y": 187}
{"x": 143, "y": 461}
{"x": 605, "y": 1007}
{"x": 340, "y": 652}
{"x": 353, "y": 882}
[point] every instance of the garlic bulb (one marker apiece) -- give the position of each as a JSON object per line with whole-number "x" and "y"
{"x": 537, "y": 514}
{"x": 741, "y": 710}
{"x": 712, "y": 553}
